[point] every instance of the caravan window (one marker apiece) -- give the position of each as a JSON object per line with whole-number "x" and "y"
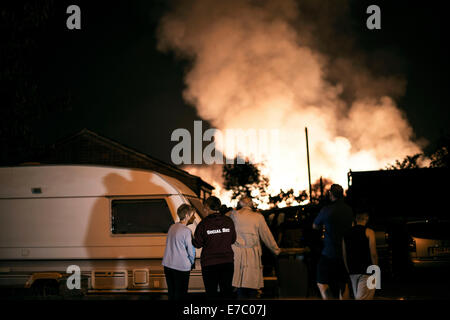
{"x": 140, "y": 216}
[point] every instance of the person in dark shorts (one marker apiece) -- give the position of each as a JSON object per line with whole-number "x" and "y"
{"x": 179, "y": 254}
{"x": 215, "y": 234}
{"x": 337, "y": 218}
{"x": 359, "y": 252}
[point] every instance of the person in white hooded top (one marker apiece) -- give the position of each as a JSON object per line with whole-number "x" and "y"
{"x": 250, "y": 229}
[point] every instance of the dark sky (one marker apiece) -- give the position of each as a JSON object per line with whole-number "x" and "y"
{"x": 123, "y": 88}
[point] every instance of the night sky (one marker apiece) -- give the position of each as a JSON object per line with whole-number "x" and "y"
{"x": 122, "y": 87}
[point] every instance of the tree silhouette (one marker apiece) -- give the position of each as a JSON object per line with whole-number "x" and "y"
{"x": 319, "y": 191}
{"x": 409, "y": 162}
{"x": 440, "y": 157}
{"x": 243, "y": 179}
{"x": 287, "y": 197}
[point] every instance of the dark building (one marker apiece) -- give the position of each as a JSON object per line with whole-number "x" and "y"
{"x": 406, "y": 193}
{"x": 87, "y": 147}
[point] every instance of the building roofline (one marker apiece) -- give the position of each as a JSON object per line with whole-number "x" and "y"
{"x": 125, "y": 148}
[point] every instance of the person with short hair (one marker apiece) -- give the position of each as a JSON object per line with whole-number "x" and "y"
{"x": 215, "y": 234}
{"x": 359, "y": 252}
{"x": 337, "y": 218}
{"x": 225, "y": 210}
{"x": 179, "y": 255}
{"x": 251, "y": 227}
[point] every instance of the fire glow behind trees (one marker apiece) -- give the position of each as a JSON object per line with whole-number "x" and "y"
{"x": 263, "y": 65}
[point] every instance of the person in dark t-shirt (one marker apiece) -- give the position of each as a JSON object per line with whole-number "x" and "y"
{"x": 359, "y": 252}
{"x": 337, "y": 218}
{"x": 215, "y": 234}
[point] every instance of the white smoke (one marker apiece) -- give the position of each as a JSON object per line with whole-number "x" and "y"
{"x": 258, "y": 65}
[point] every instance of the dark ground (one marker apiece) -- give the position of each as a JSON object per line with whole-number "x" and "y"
{"x": 427, "y": 281}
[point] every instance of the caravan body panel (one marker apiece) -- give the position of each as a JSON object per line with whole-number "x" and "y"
{"x": 65, "y": 214}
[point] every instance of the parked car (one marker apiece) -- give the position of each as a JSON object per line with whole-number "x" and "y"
{"x": 429, "y": 240}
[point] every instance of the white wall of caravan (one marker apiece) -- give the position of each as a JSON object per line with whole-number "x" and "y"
{"x": 72, "y": 228}
{"x": 78, "y": 181}
{"x": 70, "y": 218}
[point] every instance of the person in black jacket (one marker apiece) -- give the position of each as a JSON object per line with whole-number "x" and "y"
{"x": 215, "y": 234}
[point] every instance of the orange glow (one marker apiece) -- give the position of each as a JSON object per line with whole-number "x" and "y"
{"x": 254, "y": 69}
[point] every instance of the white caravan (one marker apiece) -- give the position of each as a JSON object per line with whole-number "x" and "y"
{"x": 110, "y": 222}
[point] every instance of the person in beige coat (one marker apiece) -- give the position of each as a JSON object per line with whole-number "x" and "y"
{"x": 250, "y": 229}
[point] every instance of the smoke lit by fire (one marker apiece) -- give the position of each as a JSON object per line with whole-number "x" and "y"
{"x": 266, "y": 65}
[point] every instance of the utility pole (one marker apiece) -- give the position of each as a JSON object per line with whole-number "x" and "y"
{"x": 321, "y": 189}
{"x": 309, "y": 169}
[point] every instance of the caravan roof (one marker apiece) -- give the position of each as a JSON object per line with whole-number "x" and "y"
{"x": 43, "y": 181}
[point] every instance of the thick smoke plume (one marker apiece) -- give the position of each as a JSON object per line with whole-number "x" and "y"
{"x": 287, "y": 65}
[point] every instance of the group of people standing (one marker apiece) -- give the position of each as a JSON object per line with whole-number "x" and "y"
{"x": 231, "y": 251}
{"x": 349, "y": 249}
